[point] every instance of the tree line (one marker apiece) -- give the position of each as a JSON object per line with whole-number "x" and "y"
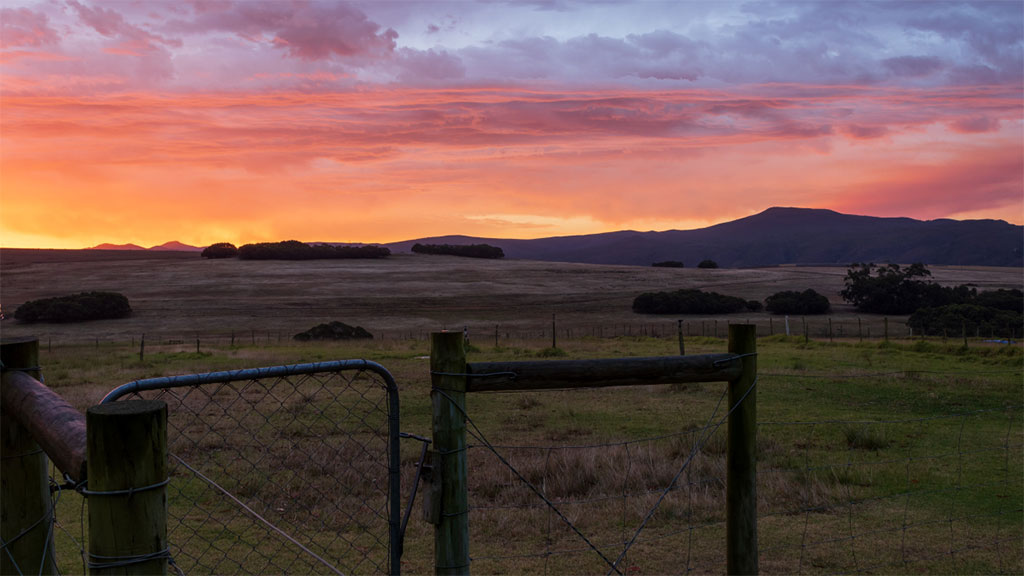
{"x": 466, "y": 250}
{"x": 292, "y": 250}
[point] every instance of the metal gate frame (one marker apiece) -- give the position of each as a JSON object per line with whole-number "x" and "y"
{"x": 391, "y": 387}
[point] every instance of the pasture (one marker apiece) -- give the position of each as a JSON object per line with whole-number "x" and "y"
{"x": 874, "y": 456}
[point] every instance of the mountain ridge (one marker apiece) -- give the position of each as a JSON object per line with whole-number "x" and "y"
{"x": 776, "y": 236}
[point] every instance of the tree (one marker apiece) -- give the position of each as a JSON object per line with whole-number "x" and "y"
{"x": 707, "y": 264}
{"x": 798, "y": 303}
{"x": 220, "y": 250}
{"x": 890, "y": 289}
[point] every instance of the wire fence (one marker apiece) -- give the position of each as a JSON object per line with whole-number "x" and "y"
{"x": 846, "y": 328}
{"x": 934, "y": 494}
{"x": 284, "y": 470}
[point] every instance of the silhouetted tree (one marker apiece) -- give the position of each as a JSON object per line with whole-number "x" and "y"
{"x": 707, "y": 264}
{"x": 295, "y": 250}
{"x": 220, "y": 250}
{"x": 687, "y": 302}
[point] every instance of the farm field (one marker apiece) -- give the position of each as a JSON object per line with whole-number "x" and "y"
{"x": 874, "y": 457}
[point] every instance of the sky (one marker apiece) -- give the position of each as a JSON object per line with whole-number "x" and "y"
{"x": 248, "y": 121}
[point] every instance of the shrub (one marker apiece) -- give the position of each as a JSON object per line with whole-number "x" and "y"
{"x": 468, "y": 251}
{"x": 220, "y": 250}
{"x": 803, "y": 303}
{"x": 79, "y": 307}
{"x": 754, "y": 306}
{"x": 668, "y": 264}
{"x": 687, "y": 302}
{"x": 707, "y": 264}
{"x": 1012, "y": 300}
{"x": 952, "y": 319}
{"x": 333, "y": 331}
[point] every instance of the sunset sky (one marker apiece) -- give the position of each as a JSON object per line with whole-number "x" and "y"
{"x": 244, "y": 121}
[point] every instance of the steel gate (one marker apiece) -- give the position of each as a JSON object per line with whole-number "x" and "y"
{"x": 287, "y": 469}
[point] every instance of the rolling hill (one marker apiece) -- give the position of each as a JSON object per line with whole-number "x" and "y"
{"x": 780, "y": 236}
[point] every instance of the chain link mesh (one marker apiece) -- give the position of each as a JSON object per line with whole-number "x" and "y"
{"x": 309, "y": 453}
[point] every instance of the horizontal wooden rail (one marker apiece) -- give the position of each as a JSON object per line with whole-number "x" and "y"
{"x": 553, "y": 374}
{"x": 57, "y": 427}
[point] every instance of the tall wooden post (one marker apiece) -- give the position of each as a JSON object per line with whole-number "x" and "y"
{"x": 24, "y": 480}
{"x": 448, "y": 402}
{"x": 741, "y": 457}
{"x": 126, "y": 448}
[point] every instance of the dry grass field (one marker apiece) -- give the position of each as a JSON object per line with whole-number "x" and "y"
{"x": 405, "y": 295}
{"x": 874, "y": 457}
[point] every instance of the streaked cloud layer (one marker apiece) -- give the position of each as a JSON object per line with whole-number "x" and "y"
{"x": 245, "y": 121}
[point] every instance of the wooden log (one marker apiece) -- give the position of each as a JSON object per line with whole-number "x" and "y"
{"x": 448, "y": 402}
{"x": 127, "y": 467}
{"x": 554, "y": 374}
{"x": 54, "y": 424}
{"x": 26, "y": 515}
{"x": 741, "y": 456}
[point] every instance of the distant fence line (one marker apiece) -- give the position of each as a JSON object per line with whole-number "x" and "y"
{"x": 556, "y": 331}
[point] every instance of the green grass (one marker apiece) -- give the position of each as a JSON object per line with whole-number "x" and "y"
{"x": 873, "y": 457}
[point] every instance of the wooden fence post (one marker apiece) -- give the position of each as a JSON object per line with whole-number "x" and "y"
{"x": 682, "y": 345}
{"x": 741, "y": 457}
{"x": 126, "y": 449}
{"x": 448, "y": 401}
{"x": 24, "y": 482}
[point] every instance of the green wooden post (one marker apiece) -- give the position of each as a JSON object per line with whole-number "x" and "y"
{"x": 448, "y": 401}
{"x": 127, "y": 450}
{"x": 741, "y": 457}
{"x": 24, "y": 480}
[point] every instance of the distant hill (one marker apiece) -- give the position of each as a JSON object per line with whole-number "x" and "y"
{"x": 106, "y": 246}
{"x": 780, "y": 236}
{"x": 177, "y": 247}
{"x": 172, "y": 246}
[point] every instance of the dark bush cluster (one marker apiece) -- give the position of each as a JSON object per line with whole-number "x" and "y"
{"x": 668, "y": 264}
{"x": 954, "y": 319}
{"x": 688, "y": 302}
{"x": 333, "y": 331}
{"x": 220, "y": 250}
{"x": 295, "y": 250}
{"x": 803, "y": 303}
{"x": 75, "y": 308}
{"x": 996, "y": 311}
{"x": 707, "y": 264}
{"x": 469, "y": 250}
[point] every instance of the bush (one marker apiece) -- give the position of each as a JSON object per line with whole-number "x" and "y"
{"x": 952, "y": 319}
{"x": 687, "y": 302}
{"x": 468, "y": 251}
{"x": 707, "y": 264}
{"x": 80, "y": 307}
{"x": 803, "y": 303}
{"x": 220, "y": 250}
{"x": 1012, "y": 300}
{"x": 333, "y": 331}
{"x": 295, "y": 250}
{"x": 668, "y": 264}
{"x": 754, "y": 306}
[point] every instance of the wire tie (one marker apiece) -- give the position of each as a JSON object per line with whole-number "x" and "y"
{"x": 129, "y": 491}
{"x": 23, "y": 455}
{"x": 511, "y": 375}
{"x": 718, "y": 363}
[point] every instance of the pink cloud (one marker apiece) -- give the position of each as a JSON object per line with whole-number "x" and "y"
{"x": 975, "y": 125}
{"x": 23, "y": 27}
{"x": 308, "y": 31}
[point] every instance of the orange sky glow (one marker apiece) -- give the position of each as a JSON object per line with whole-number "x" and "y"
{"x": 344, "y": 148}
